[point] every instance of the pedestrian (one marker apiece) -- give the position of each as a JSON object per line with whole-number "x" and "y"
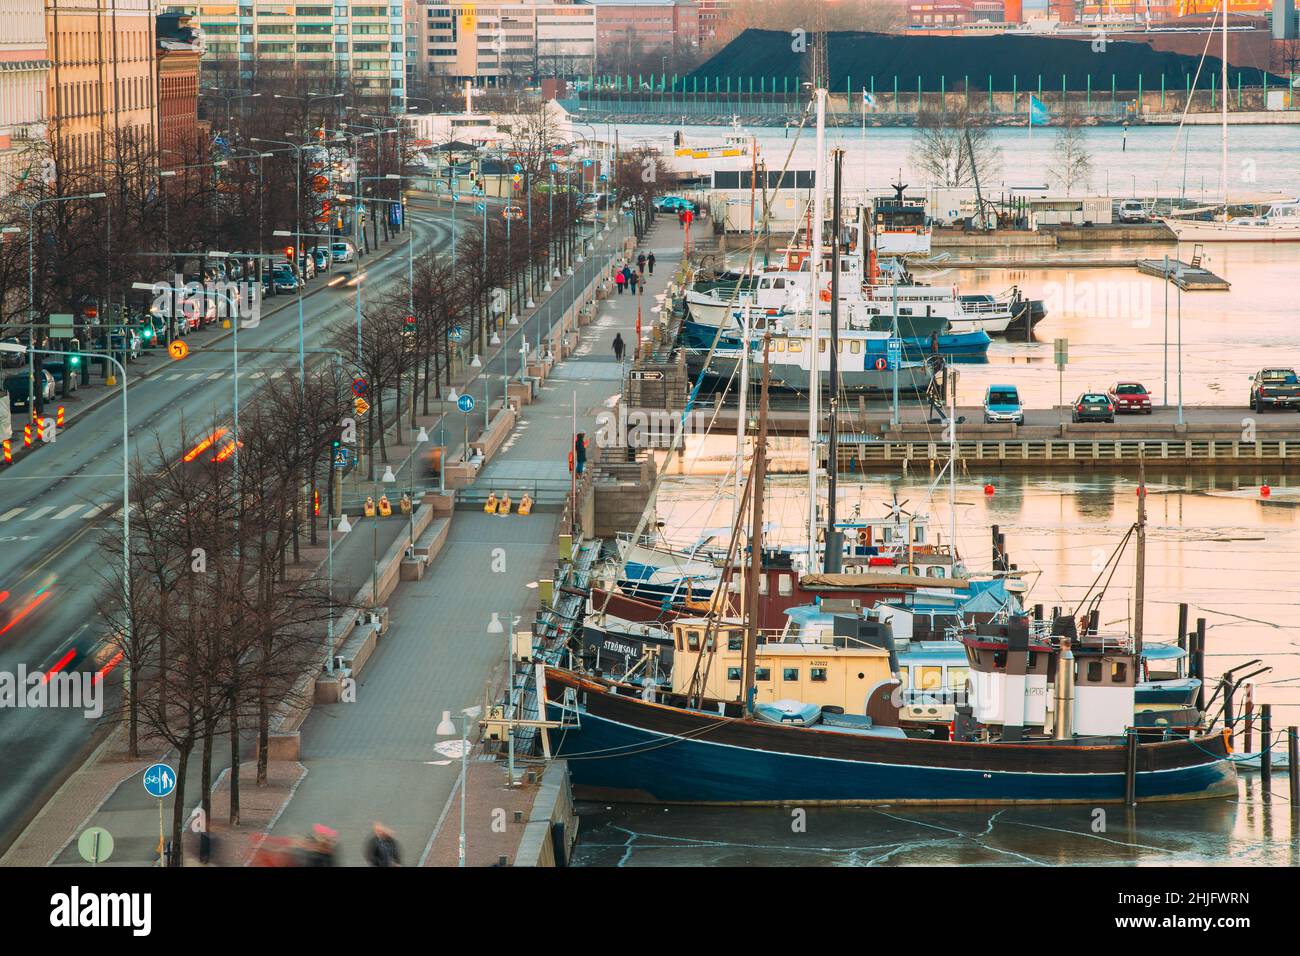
{"x": 381, "y": 848}
{"x": 620, "y": 280}
{"x": 640, "y": 262}
{"x": 319, "y": 849}
{"x": 650, "y": 261}
{"x": 631, "y": 282}
{"x": 681, "y": 219}
{"x": 580, "y": 452}
{"x": 618, "y": 347}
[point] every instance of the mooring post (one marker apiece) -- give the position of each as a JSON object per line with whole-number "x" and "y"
{"x": 1183, "y": 662}
{"x": 1199, "y": 660}
{"x": 1226, "y": 686}
{"x": 1293, "y": 768}
{"x": 1265, "y": 747}
{"x": 1248, "y": 712}
{"x": 1130, "y": 768}
{"x": 997, "y": 557}
{"x": 1038, "y": 612}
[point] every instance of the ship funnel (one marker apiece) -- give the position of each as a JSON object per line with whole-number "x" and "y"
{"x": 1064, "y": 728}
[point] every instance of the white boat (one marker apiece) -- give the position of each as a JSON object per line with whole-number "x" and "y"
{"x": 1280, "y": 223}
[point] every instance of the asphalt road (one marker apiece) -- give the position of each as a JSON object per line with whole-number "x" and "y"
{"x": 57, "y": 505}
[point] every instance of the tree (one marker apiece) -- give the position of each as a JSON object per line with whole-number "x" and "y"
{"x": 1072, "y": 160}
{"x": 955, "y": 149}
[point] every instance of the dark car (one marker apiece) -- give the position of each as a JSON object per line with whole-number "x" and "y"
{"x": 1130, "y": 397}
{"x": 58, "y": 368}
{"x": 1274, "y": 388}
{"x": 283, "y": 279}
{"x": 16, "y": 386}
{"x": 1093, "y": 407}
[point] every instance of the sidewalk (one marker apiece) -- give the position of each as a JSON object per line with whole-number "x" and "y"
{"x": 376, "y": 759}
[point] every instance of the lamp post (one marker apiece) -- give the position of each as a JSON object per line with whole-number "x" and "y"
{"x": 496, "y": 627}
{"x": 228, "y": 94}
{"x": 446, "y": 728}
{"x": 343, "y": 527}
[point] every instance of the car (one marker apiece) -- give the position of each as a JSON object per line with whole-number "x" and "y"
{"x": 1130, "y": 397}
{"x": 1274, "y": 388}
{"x": 11, "y": 359}
{"x": 512, "y": 212}
{"x": 58, "y": 368}
{"x": 1132, "y": 210}
{"x": 1093, "y": 407}
{"x": 321, "y": 256}
{"x": 126, "y": 340}
{"x": 16, "y": 386}
{"x": 1002, "y": 404}
{"x": 283, "y": 280}
{"x": 673, "y": 204}
{"x": 305, "y": 266}
{"x": 342, "y": 251}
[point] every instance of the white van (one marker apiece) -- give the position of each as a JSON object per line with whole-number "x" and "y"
{"x": 1132, "y": 210}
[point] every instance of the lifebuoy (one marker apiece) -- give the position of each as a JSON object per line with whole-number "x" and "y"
{"x": 863, "y": 538}
{"x": 881, "y": 365}
{"x": 825, "y": 295}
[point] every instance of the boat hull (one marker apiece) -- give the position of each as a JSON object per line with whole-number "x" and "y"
{"x": 652, "y": 753}
{"x": 700, "y": 335}
{"x": 1196, "y": 231}
{"x": 789, "y": 377}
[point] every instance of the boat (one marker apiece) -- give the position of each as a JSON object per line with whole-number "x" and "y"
{"x": 788, "y": 713}
{"x": 1280, "y": 222}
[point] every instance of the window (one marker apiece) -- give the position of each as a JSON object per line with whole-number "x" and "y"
{"x": 957, "y": 677}
{"x": 1094, "y": 672}
{"x": 734, "y": 641}
{"x": 855, "y": 346}
{"x": 817, "y": 674}
{"x": 931, "y": 677}
{"x": 693, "y": 640}
{"x": 904, "y": 675}
{"x": 821, "y": 345}
{"x": 762, "y": 673}
{"x": 733, "y": 673}
{"x": 784, "y": 585}
{"x": 790, "y": 673}
{"x": 1119, "y": 672}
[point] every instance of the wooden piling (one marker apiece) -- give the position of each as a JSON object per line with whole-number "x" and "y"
{"x": 1225, "y": 685}
{"x": 1038, "y": 612}
{"x": 1130, "y": 768}
{"x": 1248, "y": 713}
{"x": 1293, "y": 768}
{"x": 1199, "y": 660}
{"x": 1183, "y": 663}
{"x": 997, "y": 557}
{"x": 1265, "y": 747}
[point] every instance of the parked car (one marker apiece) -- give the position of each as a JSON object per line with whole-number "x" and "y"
{"x": 16, "y": 387}
{"x": 673, "y": 204}
{"x": 58, "y": 368}
{"x": 283, "y": 278}
{"x": 1002, "y": 404}
{"x": 321, "y": 256}
{"x": 1130, "y": 397}
{"x": 342, "y": 251}
{"x": 1133, "y": 210}
{"x": 306, "y": 265}
{"x": 1274, "y": 388}
{"x": 1093, "y": 407}
{"x": 512, "y": 212}
{"x": 125, "y": 340}
{"x": 11, "y": 359}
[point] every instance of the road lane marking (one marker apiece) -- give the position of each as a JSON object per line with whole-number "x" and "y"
{"x": 95, "y": 511}
{"x": 9, "y": 514}
{"x": 68, "y": 511}
{"x": 215, "y": 375}
{"x": 194, "y": 375}
{"x": 46, "y": 509}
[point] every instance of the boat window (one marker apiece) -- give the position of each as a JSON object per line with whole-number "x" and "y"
{"x": 1033, "y": 657}
{"x": 889, "y": 535}
{"x": 957, "y": 677}
{"x": 855, "y": 347}
{"x": 1094, "y": 672}
{"x": 904, "y": 676}
{"x": 904, "y": 311}
{"x": 778, "y": 283}
{"x": 931, "y": 677}
{"x": 762, "y": 673}
{"x": 934, "y": 571}
{"x": 817, "y": 674}
{"x": 821, "y": 345}
{"x": 733, "y": 642}
{"x": 693, "y": 640}
{"x": 762, "y": 584}
{"x": 790, "y": 673}
{"x": 918, "y": 534}
{"x": 678, "y": 640}
{"x": 708, "y": 643}
{"x": 1118, "y": 672}
{"x": 733, "y": 673}
{"x": 784, "y": 587}
{"x": 999, "y": 659}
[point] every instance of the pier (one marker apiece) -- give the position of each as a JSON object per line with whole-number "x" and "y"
{"x": 1190, "y": 277}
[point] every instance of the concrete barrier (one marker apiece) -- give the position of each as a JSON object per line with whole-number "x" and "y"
{"x": 552, "y": 812}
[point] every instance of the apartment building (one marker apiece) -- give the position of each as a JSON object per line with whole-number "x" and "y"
{"x": 632, "y": 33}
{"x": 494, "y": 43}
{"x": 360, "y": 46}
{"x": 24, "y": 75}
{"x": 712, "y": 14}
{"x": 180, "y": 50}
{"x": 102, "y": 80}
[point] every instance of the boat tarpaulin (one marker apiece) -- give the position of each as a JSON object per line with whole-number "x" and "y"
{"x": 866, "y": 581}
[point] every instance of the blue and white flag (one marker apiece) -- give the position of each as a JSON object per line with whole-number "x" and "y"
{"x": 868, "y": 99}
{"x": 1038, "y": 114}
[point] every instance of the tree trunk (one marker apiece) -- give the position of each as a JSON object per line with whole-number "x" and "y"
{"x": 264, "y": 734}
{"x": 208, "y": 735}
{"x": 178, "y": 801}
{"x": 234, "y": 757}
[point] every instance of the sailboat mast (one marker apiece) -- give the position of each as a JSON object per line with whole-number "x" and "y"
{"x": 1139, "y": 583}
{"x": 834, "y": 553}
{"x": 814, "y": 375}
{"x": 746, "y": 331}
{"x": 757, "y": 477}
{"x": 1224, "y": 106}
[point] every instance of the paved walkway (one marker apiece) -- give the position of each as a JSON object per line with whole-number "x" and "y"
{"x": 379, "y": 758}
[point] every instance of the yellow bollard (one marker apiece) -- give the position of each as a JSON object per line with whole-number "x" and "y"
{"x": 385, "y": 508}
{"x": 370, "y": 507}
{"x": 490, "y": 506}
{"x": 504, "y": 507}
{"x": 525, "y": 505}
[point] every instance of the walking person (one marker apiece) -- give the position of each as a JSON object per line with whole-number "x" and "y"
{"x": 580, "y": 452}
{"x": 620, "y": 280}
{"x": 632, "y": 279}
{"x": 681, "y": 220}
{"x": 640, "y": 262}
{"x": 650, "y": 261}
{"x": 619, "y": 347}
{"x": 381, "y": 848}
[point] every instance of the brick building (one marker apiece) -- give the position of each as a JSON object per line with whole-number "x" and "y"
{"x": 24, "y": 71}
{"x": 180, "y": 49}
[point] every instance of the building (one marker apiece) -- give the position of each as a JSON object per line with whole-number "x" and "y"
{"x": 180, "y": 48}
{"x": 711, "y": 14}
{"x": 102, "y": 80}
{"x": 644, "y": 34}
{"x": 360, "y": 46}
{"x": 504, "y": 44}
{"x": 24, "y": 75}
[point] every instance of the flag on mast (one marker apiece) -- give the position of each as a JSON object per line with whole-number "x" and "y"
{"x": 1038, "y": 113}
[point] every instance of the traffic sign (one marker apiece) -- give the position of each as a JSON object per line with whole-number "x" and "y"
{"x": 456, "y": 333}
{"x": 342, "y": 457}
{"x": 359, "y": 387}
{"x": 159, "y": 780}
{"x": 518, "y": 168}
{"x": 1062, "y": 349}
{"x": 360, "y": 405}
{"x": 61, "y": 325}
{"x": 640, "y": 375}
{"x": 894, "y": 352}
{"x": 178, "y": 349}
{"x": 465, "y": 403}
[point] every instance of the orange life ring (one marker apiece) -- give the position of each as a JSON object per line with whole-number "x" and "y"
{"x": 881, "y": 365}
{"x": 862, "y": 537}
{"x": 825, "y": 295}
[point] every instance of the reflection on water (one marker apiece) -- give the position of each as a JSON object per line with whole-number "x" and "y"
{"x": 1246, "y": 831}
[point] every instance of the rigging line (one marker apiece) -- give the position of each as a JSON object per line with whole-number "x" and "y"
{"x": 1114, "y": 557}
{"x": 695, "y": 390}
{"x": 1209, "y": 36}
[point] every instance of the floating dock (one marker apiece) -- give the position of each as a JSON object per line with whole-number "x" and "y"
{"x": 1190, "y": 277}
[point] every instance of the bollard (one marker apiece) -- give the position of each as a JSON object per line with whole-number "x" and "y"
{"x": 1265, "y": 747}
{"x": 1183, "y": 664}
{"x": 1199, "y": 660}
{"x": 1130, "y": 768}
{"x": 8, "y": 451}
{"x": 1293, "y": 768}
{"x": 1225, "y": 685}
{"x": 1248, "y": 712}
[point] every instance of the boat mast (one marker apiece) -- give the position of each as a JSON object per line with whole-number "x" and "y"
{"x": 746, "y": 330}
{"x": 757, "y": 476}
{"x": 814, "y": 376}
{"x": 1223, "y": 173}
{"x": 1139, "y": 584}
{"x": 832, "y": 557}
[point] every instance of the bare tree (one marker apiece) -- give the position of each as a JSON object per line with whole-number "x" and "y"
{"x": 1072, "y": 160}
{"x": 955, "y": 149}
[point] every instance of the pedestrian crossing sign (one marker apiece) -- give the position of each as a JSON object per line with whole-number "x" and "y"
{"x": 360, "y": 405}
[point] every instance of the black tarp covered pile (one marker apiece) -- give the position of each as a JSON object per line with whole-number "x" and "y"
{"x": 857, "y": 59}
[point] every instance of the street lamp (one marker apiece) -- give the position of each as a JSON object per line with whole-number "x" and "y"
{"x": 446, "y": 728}
{"x": 343, "y": 527}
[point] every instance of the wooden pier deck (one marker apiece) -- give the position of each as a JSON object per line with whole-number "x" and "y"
{"x": 1190, "y": 277}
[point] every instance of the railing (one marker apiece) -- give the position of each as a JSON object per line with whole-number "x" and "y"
{"x": 868, "y": 450}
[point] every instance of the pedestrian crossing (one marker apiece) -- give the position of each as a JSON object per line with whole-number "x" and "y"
{"x": 79, "y": 512}
{"x": 244, "y": 375}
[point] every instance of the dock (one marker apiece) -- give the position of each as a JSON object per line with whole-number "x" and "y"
{"x": 1190, "y": 277}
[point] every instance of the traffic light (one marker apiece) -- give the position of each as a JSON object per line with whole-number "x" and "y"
{"x": 410, "y": 323}
{"x": 146, "y": 332}
{"x": 288, "y": 253}
{"x": 74, "y": 358}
